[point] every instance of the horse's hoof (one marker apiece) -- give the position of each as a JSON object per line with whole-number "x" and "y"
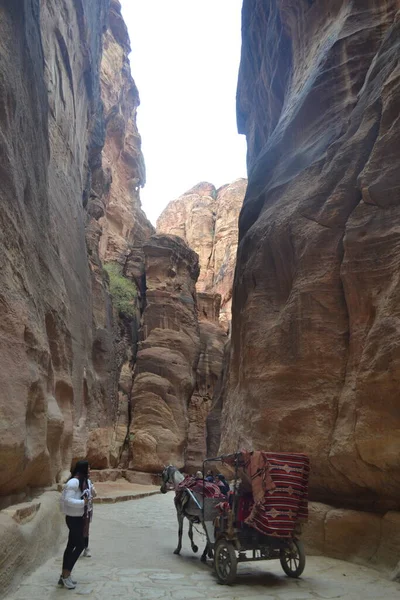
{"x": 177, "y": 551}
{"x": 195, "y": 548}
{"x": 210, "y": 554}
{"x": 203, "y": 559}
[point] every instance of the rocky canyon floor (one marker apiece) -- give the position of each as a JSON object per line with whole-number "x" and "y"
{"x": 132, "y": 545}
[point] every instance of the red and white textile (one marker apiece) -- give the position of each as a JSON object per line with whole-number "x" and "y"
{"x": 279, "y": 499}
{"x": 205, "y": 488}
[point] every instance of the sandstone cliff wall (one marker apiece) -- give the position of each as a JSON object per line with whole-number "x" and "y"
{"x": 214, "y": 416}
{"x": 51, "y": 136}
{"x": 208, "y": 373}
{"x": 207, "y": 219}
{"x": 168, "y": 355}
{"x": 71, "y": 156}
{"x": 124, "y": 224}
{"x": 315, "y": 335}
{"x": 178, "y": 363}
{"x": 121, "y": 228}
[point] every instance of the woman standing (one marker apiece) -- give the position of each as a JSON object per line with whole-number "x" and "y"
{"x": 74, "y": 502}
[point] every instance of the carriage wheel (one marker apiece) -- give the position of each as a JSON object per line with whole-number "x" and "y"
{"x": 225, "y": 562}
{"x": 293, "y": 559}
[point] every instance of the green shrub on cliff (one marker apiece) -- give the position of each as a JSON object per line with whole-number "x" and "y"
{"x": 123, "y": 291}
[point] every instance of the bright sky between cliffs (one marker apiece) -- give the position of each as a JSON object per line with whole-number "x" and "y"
{"x": 185, "y": 60}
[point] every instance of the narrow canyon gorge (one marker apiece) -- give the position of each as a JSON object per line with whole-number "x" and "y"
{"x": 261, "y": 314}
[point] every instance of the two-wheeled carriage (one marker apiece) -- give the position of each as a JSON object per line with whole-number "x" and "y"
{"x": 261, "y": 518}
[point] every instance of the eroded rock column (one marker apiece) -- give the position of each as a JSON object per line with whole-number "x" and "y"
{"x": 165, "y": 371}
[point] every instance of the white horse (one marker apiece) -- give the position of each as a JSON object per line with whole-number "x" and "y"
{"x": 187, "y": 506}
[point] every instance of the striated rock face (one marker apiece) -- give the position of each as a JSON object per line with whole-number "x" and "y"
{"x": 71, "y": 171}
{"x": 209, "y": 368}
{"x": 124, "y": 223}
{"x": 178, "y": 363}
{"x": 121, "y": 226}
{"x": 223, "y": 258}
{"x": 206, "y": 218}
{"x": 315, "y": 346}
{"x": 165, "y": 371}
{"x": 191, "y": 217}
{"x": 214, "y": 417}
{"x": 50, "y": 140}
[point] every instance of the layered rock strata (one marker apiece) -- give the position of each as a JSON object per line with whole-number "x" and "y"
{"x": 71, "y": 155}
{"x": 168, "y": 355}
{"x": 315, "y": 345}
{"x": 50, "y": 143}
{"x": 207, "y": 219}
{"x": 354, "y": 535}
{"x": 124, "y": 225}
{"x": 121, "y": 226}
{"x": 208, "y": 373}
{"x": 214, "y": 417}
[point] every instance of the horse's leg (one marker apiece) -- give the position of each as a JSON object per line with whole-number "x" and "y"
{"x": 194, "y": 547}
{"x": 207, "y": 551}
{"x": 180, "y": 530}
{"x": 204, "y": 555}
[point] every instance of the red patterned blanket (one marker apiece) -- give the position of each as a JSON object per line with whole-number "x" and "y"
{"x": 284, "y": 501}
{"x": 205, "y": 488}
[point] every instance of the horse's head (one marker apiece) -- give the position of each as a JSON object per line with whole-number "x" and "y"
{"x": 166, "y": 478}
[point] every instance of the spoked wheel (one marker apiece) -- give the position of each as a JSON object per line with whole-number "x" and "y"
{"x": 225, "y": 562}
{"x": 293, "y": 559}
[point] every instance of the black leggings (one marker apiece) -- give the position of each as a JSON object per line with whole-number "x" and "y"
{"x": 76, "y": 542}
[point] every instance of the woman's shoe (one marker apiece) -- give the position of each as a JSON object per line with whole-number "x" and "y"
{"x": 87, "y": 553}
{"x": 67, "y": 582}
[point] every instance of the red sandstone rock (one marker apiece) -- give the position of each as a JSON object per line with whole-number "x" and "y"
{"x": 357, "y": 536}
{"x": 315, "y": 337}
{"x": 49, "y": 106}
{"x": 122, "y": 229}
{"x": 206, "y": 219}
{"x": 167, "y": 357}
{"x": 209, "y": 368}
{"x": 223, "y": 260}
{"x": 63, "y": 349}
{"x": 124, "y": 223}
{"x": 214, "y": 418}
{"x": 208, "y": 307}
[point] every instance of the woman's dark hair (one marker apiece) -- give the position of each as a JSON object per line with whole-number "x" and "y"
{"x": 221, "y": 477}
{"x": 81, "y": 472}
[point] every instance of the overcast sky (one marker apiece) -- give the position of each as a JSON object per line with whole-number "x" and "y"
{"x": 185, "y": 60}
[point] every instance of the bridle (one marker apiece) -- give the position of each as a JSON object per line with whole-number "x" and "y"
{"x": 166, "y": 477}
